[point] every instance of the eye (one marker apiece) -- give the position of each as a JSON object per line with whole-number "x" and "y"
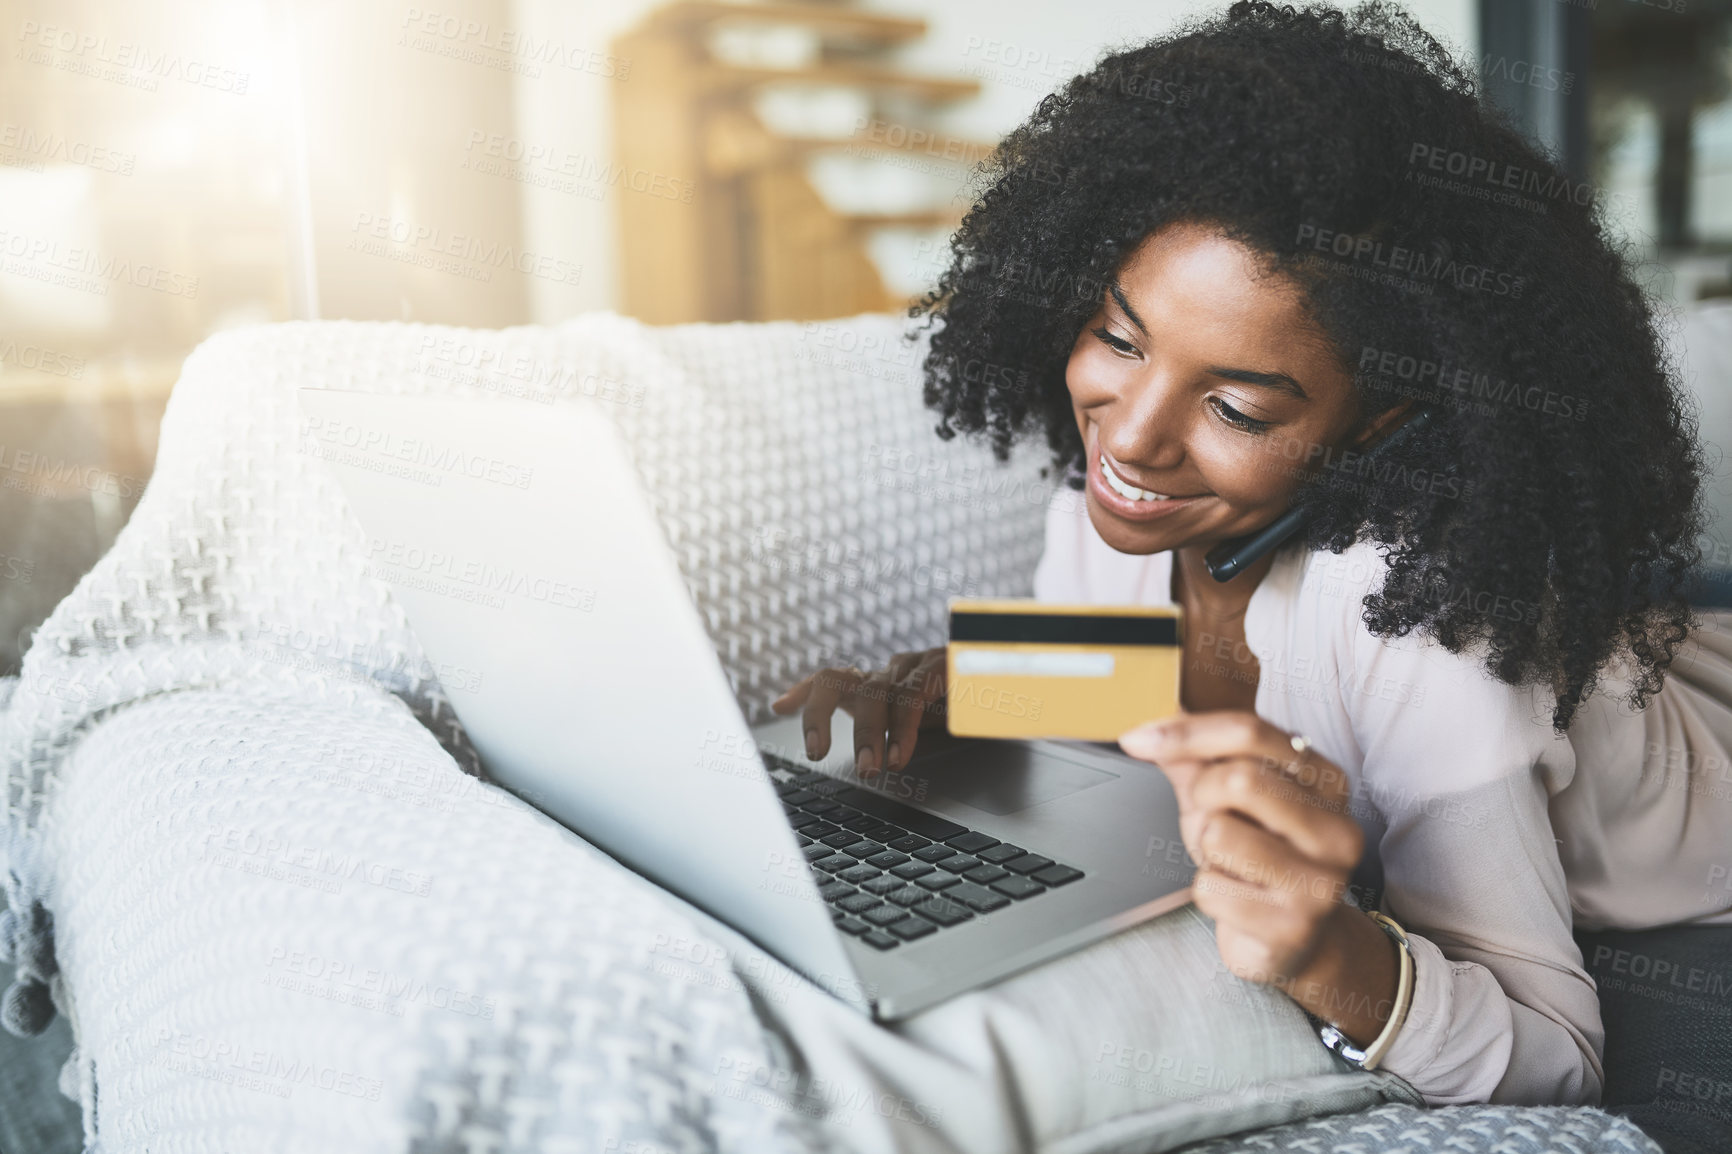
{"x": 1237, "y": 419}
{"x": 1116, "y": 344}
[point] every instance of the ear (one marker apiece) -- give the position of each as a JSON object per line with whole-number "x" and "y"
{"x": 1382, "y": 424}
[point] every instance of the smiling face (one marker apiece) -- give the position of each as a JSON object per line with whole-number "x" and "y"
{"x": 1200, "y": 388}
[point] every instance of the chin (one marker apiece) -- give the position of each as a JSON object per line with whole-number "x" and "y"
{"x": 1128, "y": 538}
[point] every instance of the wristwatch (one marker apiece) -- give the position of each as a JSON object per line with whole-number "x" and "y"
{"x": 1370, "y": 1056}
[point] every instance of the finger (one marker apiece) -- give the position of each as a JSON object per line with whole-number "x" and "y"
{"x": 827, "y": 689}
{"x": 907, "y": 708}
{"x": 869, "y": 705}
{"x": 1191, "y": 825}
{"x": 904, "y": 673}
{"x": 1182, "y": 775}
{"x": 935, "y": 687}
{"x": 1236, "y": 847}
{"x": 911, "y": 701}
{"x": 792, "y": 697}
{"x": 1317, "y": 827}
{"x": 1260, "y": 937}
{"x": 902, "y": 664}
{"x": 1211, "y": 734}
{"x": 1255, "y": 913}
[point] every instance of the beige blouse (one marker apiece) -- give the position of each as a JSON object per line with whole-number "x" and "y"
{"x": 1494, "y": 833}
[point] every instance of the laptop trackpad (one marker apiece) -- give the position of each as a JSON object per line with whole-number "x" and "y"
{"x": 1007, "y": 777}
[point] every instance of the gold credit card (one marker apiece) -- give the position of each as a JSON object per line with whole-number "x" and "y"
{"x": 1027, "y": 669}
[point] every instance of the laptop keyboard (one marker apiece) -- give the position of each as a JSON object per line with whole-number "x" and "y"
{"x": 892, "y": 873}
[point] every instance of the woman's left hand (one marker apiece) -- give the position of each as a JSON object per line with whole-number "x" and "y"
{"x": 1270, "y": 830}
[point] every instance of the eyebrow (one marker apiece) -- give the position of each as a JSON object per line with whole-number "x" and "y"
{"x": 1119, "y": 295}
{"x": 1278, "y": 381}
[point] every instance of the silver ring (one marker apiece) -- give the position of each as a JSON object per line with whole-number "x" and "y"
{"x": 1300, "y": 743}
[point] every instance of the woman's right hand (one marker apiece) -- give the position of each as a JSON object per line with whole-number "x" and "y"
{"x": 889, "y": 707}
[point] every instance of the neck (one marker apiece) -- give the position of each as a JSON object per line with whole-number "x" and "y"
{"x": 1220, "y": 600}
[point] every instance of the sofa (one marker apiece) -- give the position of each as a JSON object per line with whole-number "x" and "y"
{"x": 256, "y": 868}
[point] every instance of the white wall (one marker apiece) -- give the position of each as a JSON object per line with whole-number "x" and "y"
{"x": 1050, "y": 41}
{"x": 1023, "y": 49}
{"x": 568, "y": 109}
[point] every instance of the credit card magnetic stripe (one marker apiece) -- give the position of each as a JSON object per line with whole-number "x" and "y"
{"x": 1062, "y": 629}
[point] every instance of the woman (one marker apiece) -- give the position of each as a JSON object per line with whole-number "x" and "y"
{"x": 1231, "y": 262}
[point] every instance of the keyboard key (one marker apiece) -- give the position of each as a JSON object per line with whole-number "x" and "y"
{"x": 835, "y": 890}
{"x": 959, "y": 864}
{"x": 797, "y": 797}
{"x": 938, "y": 881}
{"x": 802, "y": 839}
{"x": 1002, "y": 852}
{"x": 819, "y": 828}
{"x": 840, "y": 838}
{"x": 817, "y": 852}
{"x": 842, "y": 814}
{"x": 863, "y": 849}
{"x": 861, "y": 822}
{"x": 908, "y": 896}
{"x": 974, "y": 897}
{"x": 860, "y": 873}
{"x": 821, "y": 805}
{"x": 942, "y": 911}
{"x": 911, "y": 869}
{"x": 879, "y": 939}
{"x": 972, "y": 842}
{"x": 877, "y": 831}
{"x": 884, "y": 915}
{"x": 826, "y": 785}
{"x": 889, "y": 859}
{"x": 850, "y": 925}
{"x": 1056, "y": 875}
{"x": 928, "y": 825}
{"x": 1018, "y": 888}
{"x": 909, "y": 843}
{"x": 835, "y": 862}
{"x": 805, "y": 821}
{"x": 934, "y": 853}
{"x": 882, "y": 884}
{"x": 858, "y": 903}
{"x": 912, "y": 928}
{"x": 1027, "y": 863}
{"x": 985, "y": 874}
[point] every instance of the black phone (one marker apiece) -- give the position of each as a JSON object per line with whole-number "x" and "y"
{"x": 1230, "y": 558}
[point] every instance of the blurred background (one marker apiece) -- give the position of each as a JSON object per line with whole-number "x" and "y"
{"x": 170, "y": 168}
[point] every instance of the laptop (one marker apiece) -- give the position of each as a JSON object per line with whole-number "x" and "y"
{"x": 536, "y": 575}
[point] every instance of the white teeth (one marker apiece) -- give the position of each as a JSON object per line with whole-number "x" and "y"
{"x": 1124, "y": 488}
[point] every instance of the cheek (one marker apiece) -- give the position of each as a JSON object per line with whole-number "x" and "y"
{"x": 1249, "y": 472}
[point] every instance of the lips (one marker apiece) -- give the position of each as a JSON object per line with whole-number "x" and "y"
{"x": 1124, "y": 488}
{"x": 1130, "y": 502}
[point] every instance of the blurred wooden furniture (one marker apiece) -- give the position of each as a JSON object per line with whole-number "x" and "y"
{"x": 756, "y": 240}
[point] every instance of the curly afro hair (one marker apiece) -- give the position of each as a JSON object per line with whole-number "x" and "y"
{"x": 1444, "y": 257}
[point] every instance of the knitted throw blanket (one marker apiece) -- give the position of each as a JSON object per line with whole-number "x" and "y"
{"x": 794, "y": 470}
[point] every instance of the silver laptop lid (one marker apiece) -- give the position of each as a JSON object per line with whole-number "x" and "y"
{"x": 538, "y": 581}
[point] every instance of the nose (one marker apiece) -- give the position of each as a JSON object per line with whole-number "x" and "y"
{"x": 1145, "y": 426}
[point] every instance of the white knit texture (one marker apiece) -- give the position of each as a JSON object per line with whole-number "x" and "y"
{"x": 244, "y": 659}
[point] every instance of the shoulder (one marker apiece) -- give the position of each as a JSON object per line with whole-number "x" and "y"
{"x": 1410, "y": 698}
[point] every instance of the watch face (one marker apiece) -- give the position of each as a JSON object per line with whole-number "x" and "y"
{"x": 1337, "y": 1042}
